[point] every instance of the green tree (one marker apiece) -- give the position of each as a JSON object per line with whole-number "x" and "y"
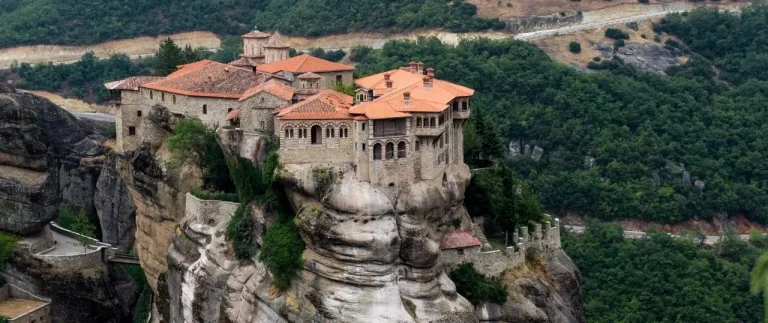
{"x": 85, "y": 229}
{"x": 574, "y": 47}
{"x": 194, "y": 143}
{"x": 759, "y": 282}
{"x": 168, "y": 57}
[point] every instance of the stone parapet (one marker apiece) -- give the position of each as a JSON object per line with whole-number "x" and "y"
{"x": 545, "y": 237}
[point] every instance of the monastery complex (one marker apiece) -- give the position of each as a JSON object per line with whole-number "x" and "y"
{"x": 401, "y": 126}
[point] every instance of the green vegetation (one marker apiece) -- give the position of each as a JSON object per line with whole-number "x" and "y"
{"x": 8, "y": 244}
{"x": 759, "y": 281}
{"x": 663, "y": 279}
{"x": 574, "y": 47}
{"x": 170, "y": 55}
{"x": 82, "y": 225}
{"x": 194, "y": 143}
{"x": 144, "y": 304}
{"x": 618, "y": 44}
{"x": 736, "y": 43}
{"x": 240, "y": 230}
{"x": 208, "y": 195}
{"x": 616, "y": 34}
{"x": 476, "y": 287}
{"x": 502, "y": 199}
{"x": 81, "y": 222}
{"x": 281, "y": 252}
{"x": 90, "y": 21}
{"x": 84, "y": 79}
{"x": 633, "y": 124}
{"x": 4, "y": 319}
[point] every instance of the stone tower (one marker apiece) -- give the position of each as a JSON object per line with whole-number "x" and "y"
{"x": 275, "y": 51}
{"x": 254, "y": 42}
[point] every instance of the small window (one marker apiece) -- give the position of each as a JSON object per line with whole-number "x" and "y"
{"x": 460, "y": 251}
{"x": 418, "y": 122}
{"x": 286, "y": 133}
{"x": 174, "y": 100}
{"x": 401, "y": 149}
{"x": 432, "y": 123}
{"x": 390, "y": 151}
{"x": 291, "y": 133}
{"x": 138, "y": 113}
{"x": 363, "y": 147}
{"x": 205, "y": 109}
{"x": 151, "y": 95}
{"x": 162, "y": 96}
{"x": 131, "y": 131}
{"x": 416, "y": 146}
{"x": 455, "y": 105}
{"x": 338, "y": 79}
{"x": 262, "y": 124}
{"x": 363, "y": 125}
{"x": 464, "y": 105}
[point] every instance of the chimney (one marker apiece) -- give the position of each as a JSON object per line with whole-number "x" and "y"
{"x": 427, "y": 83}
{"x": 207, "y": 84}
{"x": 420, "y": 67}
{"x": 431, "y": 72}
{"x": 389, "y": 86}
{"x": 413, "y": 67}
{"x": 407, "y": 98}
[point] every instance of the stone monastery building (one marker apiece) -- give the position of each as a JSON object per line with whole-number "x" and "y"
{"x": 401, "y": 126}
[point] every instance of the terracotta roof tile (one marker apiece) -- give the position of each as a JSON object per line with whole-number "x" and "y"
{"x": 459, "y": 239}
{"x": 210, "y": 79}
{"x": 404, "y": 79}
{"x": 303, "y": 64}
{"x": 279, "y": 89}
{"x": 256, "y": 34}
{"x": 326, "y": 105}
{"x": 309, "y": 76}
{"x": 233, "y": 114}
{"x": 131, "y": 83}
{"x": 247, "y": 62}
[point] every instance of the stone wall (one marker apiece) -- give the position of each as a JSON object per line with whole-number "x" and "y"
{"x": 493, "y": 263}
{"x": 257, "y": 112}
{"x": 295, "y": 150}
{"x": 203, "y": 211}
{"x": 534, "y": 23}
{"x": 328, "y": 80}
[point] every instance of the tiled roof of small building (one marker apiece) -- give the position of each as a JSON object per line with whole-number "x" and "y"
{"x": 131, "y": 83}
{"x": 404, "y": 79}
{"x": 326, "y": 105}
{"x": 459, "y": 239}
{"x": 309, "y": 76}
{"x": 209, "y": 79}
{"x": 233, "y": 114}
{"x": 247, "y": 61}
{"x": 303, "y": 64}
{"x": 256, "y": 34}
{"x": 278, "y": 89}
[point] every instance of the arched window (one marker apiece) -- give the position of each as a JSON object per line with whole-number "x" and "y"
{"x": 286, "y": 133}
{"x": 377, "y": 152}
{"x": 390, "y": 150}
{"x": 317, "y": 135}
{"x": 401, "y": 149}
{"x": 205, "y": 109}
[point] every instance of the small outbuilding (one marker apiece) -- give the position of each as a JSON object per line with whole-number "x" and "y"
{"x": 459, "y": 243}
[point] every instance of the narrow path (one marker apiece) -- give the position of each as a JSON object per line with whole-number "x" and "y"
{"x": 575, "y": 28}
{"x": 709, "y": 240}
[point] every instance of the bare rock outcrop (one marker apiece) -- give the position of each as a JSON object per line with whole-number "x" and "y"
{"x": 654, "y": 58}
{"x": 115, "y": 207}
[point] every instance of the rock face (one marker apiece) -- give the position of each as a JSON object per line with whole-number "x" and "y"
{"x": 653, "y": 58}
{"x": 38, "y": 143}
{"x": 115, "y": 208}
{"x": 94, "y": 295}
{"x": 534, "y": 23}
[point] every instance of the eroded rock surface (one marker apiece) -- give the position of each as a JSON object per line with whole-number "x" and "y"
{"x": 115, "y": 207}
{"x": 653, "y": 58}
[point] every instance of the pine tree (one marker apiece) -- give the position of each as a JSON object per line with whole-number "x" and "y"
{"x": 759, "y": 281}
{"x": 168, "y": 56}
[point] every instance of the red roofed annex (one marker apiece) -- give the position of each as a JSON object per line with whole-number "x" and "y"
{"x": 400, "y": 127}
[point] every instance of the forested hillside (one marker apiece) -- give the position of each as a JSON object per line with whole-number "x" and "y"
{"x": 75, "y": 22}
{"x": 664, "y": 279}
{"x": 633, "y": 124}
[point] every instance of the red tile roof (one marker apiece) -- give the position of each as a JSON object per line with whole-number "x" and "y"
{"x": 278, "y": 89}
{"x": 256, "y": 34}
{"x": 131, "y": 83}
{"x": 404, "y": 79}
{"x": 459, "y": 239}
{"x": 249, "y": 62}
{"x": 209, "y": 79}
{"x": 326, "y": 105}
{"x": 303, "y": 64}
{"x": 233, "y": 114}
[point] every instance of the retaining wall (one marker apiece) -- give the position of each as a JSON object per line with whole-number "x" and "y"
{"x": 205, "y": 211}
{"x": 545, "y": 236}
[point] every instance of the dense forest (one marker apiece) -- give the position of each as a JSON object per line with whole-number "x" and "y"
{"x": 650, "y": 136}
{"x": 76, "y": 22}
{"x": 664, "y": 279}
